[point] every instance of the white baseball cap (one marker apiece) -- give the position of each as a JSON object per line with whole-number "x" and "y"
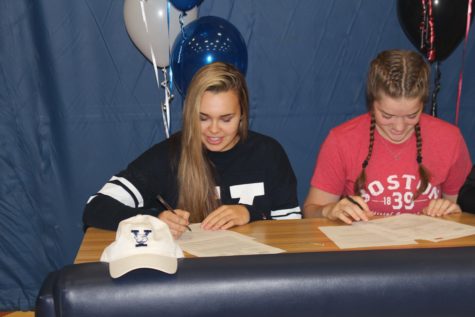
{"x": 142, "y": 241}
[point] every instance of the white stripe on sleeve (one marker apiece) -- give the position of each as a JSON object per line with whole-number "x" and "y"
{"x": 118, "y": 193}
{"x": 292, "y": 213}
{"x": 91, "y": 198}
{"x": 130, "y": 187}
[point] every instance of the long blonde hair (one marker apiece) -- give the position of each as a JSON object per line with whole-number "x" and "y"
{"x": 397, "y": 74}
{"x": 196, "y": 174}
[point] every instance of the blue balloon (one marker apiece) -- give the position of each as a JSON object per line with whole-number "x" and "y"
{"x": 185, "y": 5}
{"x": 204, "y": 41}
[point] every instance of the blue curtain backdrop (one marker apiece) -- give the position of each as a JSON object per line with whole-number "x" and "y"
{"x": 78, "y": 101}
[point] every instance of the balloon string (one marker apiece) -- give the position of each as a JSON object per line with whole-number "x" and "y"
{"x": 183, "y": 36}
{"x": 169, "y": 46}
{"x": 423, "y": 25}
{"x": 431, "y": 54}
{"x": 166, "y": 103}
{"x": 436, "y": 89}
{"x": 459, "y": 89}
{"x": 182, "y": 23}
{"x": 427, "y": 43}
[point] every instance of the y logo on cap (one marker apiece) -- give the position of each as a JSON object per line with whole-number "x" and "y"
{"x": 141, "y": 238}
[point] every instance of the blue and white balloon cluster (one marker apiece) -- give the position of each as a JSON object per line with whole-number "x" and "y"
{"x": 155, "y": 25}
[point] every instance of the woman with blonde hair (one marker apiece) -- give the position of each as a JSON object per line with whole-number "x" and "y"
{"x": 394, "y": 159}
{"x": 215, "y": 171}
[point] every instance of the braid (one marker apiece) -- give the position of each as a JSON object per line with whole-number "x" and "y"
{"x": 424, "y": 174}
{"x": 397, "y": 74}
{"x": 360, "y": 181}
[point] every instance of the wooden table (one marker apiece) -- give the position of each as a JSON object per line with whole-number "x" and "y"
{"x": 291, "y": 235}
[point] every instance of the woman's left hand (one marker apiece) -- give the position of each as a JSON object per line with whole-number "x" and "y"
{"x": 441, "y": 207}
{"x": 225, "y": 217}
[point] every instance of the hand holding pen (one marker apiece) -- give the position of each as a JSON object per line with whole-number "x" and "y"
{"x": 176, "y": 219}
{"x": 351, "y": 208}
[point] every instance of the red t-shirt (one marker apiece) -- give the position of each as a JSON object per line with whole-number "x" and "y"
{"x": 392, "y": 172}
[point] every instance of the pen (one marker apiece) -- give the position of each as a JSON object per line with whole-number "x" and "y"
{"x": 166, "y": 205}
{"x": 353, "y": 201}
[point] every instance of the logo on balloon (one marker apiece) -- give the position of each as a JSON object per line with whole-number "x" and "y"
{"x": 204, "y": 41}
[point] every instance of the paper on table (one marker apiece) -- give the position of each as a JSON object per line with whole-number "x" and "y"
{"x": 397, "y": 230}
{"x": 363, "y": 235}
{"x": 197, "y": 234}
{"x": 204, "y": 243}
{"x": 424, "y": 227}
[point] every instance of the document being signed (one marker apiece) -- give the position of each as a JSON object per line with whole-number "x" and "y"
{"x": 397, "y": 230}
{"x": 202, "y": 243}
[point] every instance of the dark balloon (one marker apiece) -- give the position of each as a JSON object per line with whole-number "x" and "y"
{"x": 185, "y": 5}
{"x": 206, "y": 40}
{"x": 450, "y": 20}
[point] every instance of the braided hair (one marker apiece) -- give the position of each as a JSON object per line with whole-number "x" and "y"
{"x": 423, "y": 172}
{"x": 361, "y": 179}
{"x": 397, "y": 74}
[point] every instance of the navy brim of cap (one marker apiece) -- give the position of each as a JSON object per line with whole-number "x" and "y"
{"x": 162, "y": 263}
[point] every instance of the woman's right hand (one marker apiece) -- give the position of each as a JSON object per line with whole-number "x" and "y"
{"x": 177, "y": 222}
{"x": 348, "y": 211}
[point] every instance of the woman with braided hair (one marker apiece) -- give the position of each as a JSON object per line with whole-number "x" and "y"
{"x": 395, "y": 158}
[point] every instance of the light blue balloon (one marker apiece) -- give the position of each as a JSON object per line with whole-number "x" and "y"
{"x": 204, "y": 41}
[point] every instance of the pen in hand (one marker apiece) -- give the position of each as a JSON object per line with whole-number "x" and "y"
{"x": 354, "y": 202}
{"x": 166, "y": 205}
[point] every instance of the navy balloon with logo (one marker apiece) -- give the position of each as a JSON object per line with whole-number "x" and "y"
{"x": 204, "y": 41}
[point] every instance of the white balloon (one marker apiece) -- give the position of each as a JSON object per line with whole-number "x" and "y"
{"x": 154, "y": 33}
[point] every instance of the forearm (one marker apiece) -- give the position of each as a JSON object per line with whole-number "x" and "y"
{"x": 104, "y": 212}
{"x": 318, "y": 211}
